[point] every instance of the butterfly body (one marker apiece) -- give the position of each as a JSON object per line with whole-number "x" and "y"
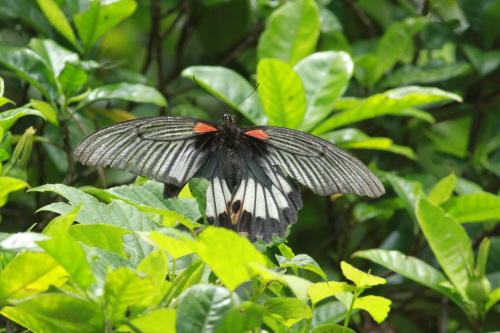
{"x": 253, "y": 171}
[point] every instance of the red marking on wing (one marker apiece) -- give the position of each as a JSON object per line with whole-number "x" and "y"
{"x": 203, "y": 128}
{"x": 258, "y": 133}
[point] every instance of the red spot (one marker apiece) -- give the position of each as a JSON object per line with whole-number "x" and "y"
{"x": 258, "y": 133}
{"x": 203, "y": 128}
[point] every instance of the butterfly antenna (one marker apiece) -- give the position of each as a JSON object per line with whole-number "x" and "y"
{"x": 257, "y": 86}
{"x": 222, "y": 104}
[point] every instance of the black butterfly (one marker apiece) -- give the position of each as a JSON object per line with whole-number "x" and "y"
{"x": 252, "y": 170}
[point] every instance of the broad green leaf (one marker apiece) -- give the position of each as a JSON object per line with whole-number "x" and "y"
{"x": 72, "y": 79}
{"x": 202, "y": 308}
{"x": 61, "y": 223}
{"x": 322, "y": 290}
{"x": 474, "y": 207}
{"x": 448, "y": 240}
{"x": 184, "y": 280}
{"x": 329, "y": 313}
{"x": 172, "y": 246}
{"x": 102, "y": 261}
{"x": 442, "y": 191}
{"x": 117, "y": 213}
{"x": 31, "y": 67}
{"x": 58, "y": 20}
{"x": 384, "y": 144}
{"x": 9, "y": 117}
{"x": 412, "y": 268}
{"x": 55, "y": 55}
{"x": 331, "y": 328}
{"x": 243, "y": 318}
{"x": 46, "y": 109}
{"x": 125, "y": 91}
{"x": 22, "y": 241}
{"x": 414, "y": 75}
{"x": 100, "y": 18}
{"x": 325, "y": 76}
{"x": 66, "y": 311}
{"x": 156, "y": 321}
{"x": 302, "y": 261}
{"x": 231, "y": 87}
{"x": 8, "y": 185}
{"x": 377, "y": 307}
{"x": 29, "y": 321}
{"x": 361, "y": 279}
{"x": 483, "y": 62}
{"x": 281, "y": 93}
{"x": 103, "y": 236}
{"x": 389, "y": 102}
{"x": 407, "y": 190}
{"x": 291, "y": 32}
{"x": 493, "y": 299}
{"x": 3, "y": 100}
{"x": 72, "y": 258}
{"x": 291, "y": 310}
{"x": 228, "y": 254}
{"x": 29, "y": 274}
{"x": 155, "y": 266}
{"x": 124, "y": 288}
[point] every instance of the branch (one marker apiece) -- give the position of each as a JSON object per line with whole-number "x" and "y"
{"x": 362, "y": 17}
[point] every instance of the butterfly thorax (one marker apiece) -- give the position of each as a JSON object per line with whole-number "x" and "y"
{"x": 230, "y": 132}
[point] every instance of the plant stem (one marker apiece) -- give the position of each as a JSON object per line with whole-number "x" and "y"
{"x": 348, "y": 315}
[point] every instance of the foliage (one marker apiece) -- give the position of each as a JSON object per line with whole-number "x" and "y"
{"x": 413, "y": 88}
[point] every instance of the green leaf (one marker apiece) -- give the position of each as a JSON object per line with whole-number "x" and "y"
{"x": 243, "y": 318}
{"x": 155, "y": 266}
{"x": 184, "y": 280}
{"x": 442, "y": 191}
{"x": 322, "y": 290}
{"x": 377, "y": 307}
{"x": 66, "y": 311}
{"x": 325, "y": 76}
{"x": 125, "y": 91}
{"x": 228, "y": 254}
{"x": 3, "y": 100}
{"x": 29, "y": 274}
{"x": 474, "y": 207}
{"x": 8, "y": 185}
{"x": 55, "y": 55}
{"x": 156, "y": 321}
{"x": 29, "y": 321}
{"x": 72, "y": 79}
{"x": 286, "y": 251}
{"x": 202, "y": 308}
{"x": 100, "y": 18}
{"x": 291, "y": 310}
{"x": 291, "y": 32}
{"x": 389, "y": 102}
{"x": 493, "y": 299}
{"x": 412, "y": 268}
{"x": 302, "y": 261}
{"x": 172, "y": 246}
{"x": 72, "y": 258}
{"x": 331, "y": 328}
{"x": 281, "y": 93}
{"x": 9, "y": 117}
{"x": 407, "y": 190}
{"x": 22, "y": 241}
{"x": 414, "y": 75}
{"x": 448, "y": 240}
{"x": 124, "y": 288}
{"x": 31, "y": 67}
{"x": 483, "y": 62}
{"x": 46, "y": 109}
{"x": 58, "y": 20}
{"x": 361, "y": 279}
{"x": 231, "y": 88}
{"x": 61, "y": 223}
{"x": 103, "y": 236}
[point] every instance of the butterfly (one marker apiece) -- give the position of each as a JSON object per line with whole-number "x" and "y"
{"x": 252, "y": 171}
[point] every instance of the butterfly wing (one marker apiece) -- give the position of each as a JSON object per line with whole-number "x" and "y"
{"x": 167, "y": 149}
{"x": 316, "y": 163}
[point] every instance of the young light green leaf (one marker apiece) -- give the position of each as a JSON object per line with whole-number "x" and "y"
{"x": 389, "y": 102}
{"x": 286, "y": 251}
{"x": 448, "y": 240}
{"x": 442, "y": 191}
{"x": 125, "y": 91}
{"x": 29, "y": 321}
{"x": 58, "y": 20}
{"x": 281, "y": 93}
{"x": 17, "y": 281}
{"x": 361, "y": 279}
{"x": 493, "y": 299}
{"x": 191, "y": 276}
{"x": 331, "y": 328}
{"x": 46, "y": 109}
{"x": 291, "y": 310}
{"x": 322, "y": 290}
{"x": 66, "y": 311}
{"x": 228, "y": 254}
{"x": 3, "y": 100}
{"x": 124, "y": 288}
{"x": 474, "y": 207}
{"x": 377, "y": 307}
{"x": 73, "y": 258}
{"x": 61, "y": 223}
{"x": 243, "y": 318}
{"x": 302, "y": 261}
{"x": 231, "y": 87}
{"x": 155, "y": 266}
{"x": 325, "y": 76}
{"x": 172, "y": 246}
{"x": 8, "y": 185}
{"x": 104, "y": 236}
{"x": 157, "y": 321}
{"x": 202, "y": 308}
{"x": 291, "y": 33}
{"x": 100, "y": 18}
